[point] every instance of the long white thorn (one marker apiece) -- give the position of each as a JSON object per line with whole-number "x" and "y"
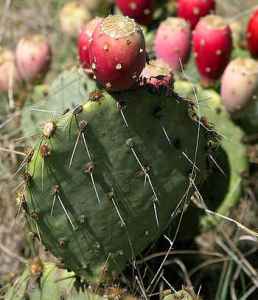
{"x": 66, "y": 213}
{"x": 86, "y": 146}
{"x": 53, "y": 204}
{"x": 94, "y": 186}
{"x": 118, "y": 212}
{"x": 74, "y": 149}
{"x": 166, "y": 135}
{"x": 124, "y": 118}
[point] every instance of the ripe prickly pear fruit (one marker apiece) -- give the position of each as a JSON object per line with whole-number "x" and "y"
{"x": 73, "y": 16}
{"x": 86, "y": 177}
{"x": 239, "y": 84}
{"x": 9, "y": 76}
{"x": 157, "y": 75}
{"x": 173, "y": 42}
{"x": 193, "y": 10}
{"x": 139, "y": 10}
{"x": 212, "y": 44}
{"x": 84, "y": 40}
{"x": 117, "y": 52}
{"x": 252, "y": 34}
{"x": 33, "y": 57}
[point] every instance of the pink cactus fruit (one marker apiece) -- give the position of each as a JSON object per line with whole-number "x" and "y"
{"x": 173, "y": 42}
{"x": 239, "y": 84}
{"x": 84, "y": 40}
{"x": 33, "y": 57}
{"x": 117, "y": 52}
{"x": 212, "y": 44}
{"x": 139, "y": 10}
{"x": 9, "y": 76}
{"x": 193, "y": 10}
{"x": 73, "y": 16}
{"x": 157, "y": 75}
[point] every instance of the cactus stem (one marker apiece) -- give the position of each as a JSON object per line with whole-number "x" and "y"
{"x": 56, "y": 191}
{"x": 89, "y": 168}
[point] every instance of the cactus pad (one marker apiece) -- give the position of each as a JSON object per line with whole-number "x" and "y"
{"x": 106, "y": 177}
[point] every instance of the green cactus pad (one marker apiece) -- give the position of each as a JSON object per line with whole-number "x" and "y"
{"x": 231, "y": 159}
{"x": 71, "y": 88}
{"x": 106, "y": 177}
{"x": 52, "y": 283}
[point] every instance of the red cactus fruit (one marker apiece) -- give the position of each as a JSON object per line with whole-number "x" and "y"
{"x": 173, "y": 42}
{"x": 117, "y": 52}
{"x": 212, "y": 44}
{"x": 252, "y": 34}
{"x": 33, "y": 57}
{"x": 73, "y": 16}
{"x": 84, "y": 41}
{"x": 8, "y": 72}
{"x": 139, "y": 10}
{"x": 193, "y": 10}
{"x": 239, "y": 84}
{"x": 158, "y": 75}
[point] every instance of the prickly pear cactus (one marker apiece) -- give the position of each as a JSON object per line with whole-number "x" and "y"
{"x": 105, "y": 177}
{"x": 230, "y": 162}
{"x": 71, "y": 88}
{"x": 46, "y": 281}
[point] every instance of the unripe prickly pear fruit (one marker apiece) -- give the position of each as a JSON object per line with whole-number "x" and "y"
{"x": 252, "y": 34}
{"x": 33, "y": 57}
{"x": 157, "y": 75}
{"x": 9, "y": 76}
{"x": 239, "y": 84}
{"x": 139, "y": 10}
{"x": 73, "y": 16}
{"x": 173, "y": 42}
{"x": 84, "y": 41}
{"x": 212, "y": 44}
{"x": 117, "y": 52}
{"x": 193, "y": 10}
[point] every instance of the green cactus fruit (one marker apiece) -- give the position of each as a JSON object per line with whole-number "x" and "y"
{"x": 106, "y": 177}
{"x": 223, "y": 189}
{"x": 71, "y": 88}
{"x": 45, "y": 281}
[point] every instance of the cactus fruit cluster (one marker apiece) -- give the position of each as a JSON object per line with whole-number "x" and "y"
{"x": 212, "y": 44}
{"x": 193, "y": 10}
{"x": 173, "y": 42}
